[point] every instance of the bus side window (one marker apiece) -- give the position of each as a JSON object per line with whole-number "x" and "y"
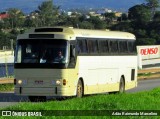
{"x": 82, "y": 46}
{"x": 103, "y": 46}
{"x": 113, "y": 46}
{"x": 131, "y": 47}
{"x": 123, "y": 46}
{"x": 92, "y": 46}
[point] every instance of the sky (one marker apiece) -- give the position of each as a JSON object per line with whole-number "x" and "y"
{"x": 28, "y": 6}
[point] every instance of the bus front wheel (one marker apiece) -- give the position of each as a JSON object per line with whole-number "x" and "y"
{"x": 79, "y": 89}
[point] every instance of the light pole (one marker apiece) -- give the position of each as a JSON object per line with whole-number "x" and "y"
{"x": 11, "y": 46}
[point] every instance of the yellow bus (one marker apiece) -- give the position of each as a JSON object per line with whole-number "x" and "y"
{"x": 61, "y": 61}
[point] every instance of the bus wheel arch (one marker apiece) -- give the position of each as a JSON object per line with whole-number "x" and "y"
{"x": 80, "y": 88}
{"x": 122, "y": 84}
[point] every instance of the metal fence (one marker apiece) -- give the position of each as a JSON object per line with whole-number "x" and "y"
{"x": 6, "y": 69}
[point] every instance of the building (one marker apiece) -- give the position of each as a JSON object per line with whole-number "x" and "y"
{"x": 118, "y": 14}
{"x": 3, "y": 16}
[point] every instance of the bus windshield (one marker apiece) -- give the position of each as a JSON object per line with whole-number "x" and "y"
{"x": 41, "y": 51}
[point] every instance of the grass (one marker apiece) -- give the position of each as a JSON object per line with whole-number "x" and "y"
{"x": 148, "y": 100}
{"x": 6, "y": 87}
{"x": 144, "y": 74}
{"x": 132, "y": 101}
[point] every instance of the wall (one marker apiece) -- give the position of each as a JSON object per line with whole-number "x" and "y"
{"x": 6, "y": 63}
{"x": 6, "y": 56}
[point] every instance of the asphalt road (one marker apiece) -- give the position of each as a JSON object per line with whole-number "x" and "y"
{"x": 8, "y": 98}
{"x": 144, "y": 85}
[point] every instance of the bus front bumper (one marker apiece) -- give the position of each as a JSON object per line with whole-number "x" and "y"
{"x": 54, "y": 91}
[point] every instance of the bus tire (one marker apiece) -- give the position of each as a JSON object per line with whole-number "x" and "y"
{"x": 37, "y": 98}
{"x": 122, "y": 85}
{"x": 79, "y": 89}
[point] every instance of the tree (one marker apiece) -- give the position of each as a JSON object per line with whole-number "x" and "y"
{"x": 140, "y": 33}
{"x": 86, "y": 25}
{"x": 33, "y": 20}
{"x": 156, "y": 16}
{"x": 48, "y": 13}
{"x": 139, "y": 13}
{"x": 110, "y": 17}
{"x": 97, "y": 22}
{"x": 62, "y": 19}
{"x": 124, "y": 17}
{"x": 145, "y": 41}
{"x": 154, "y": 34}
{"x": 16, "y": 18}
{"x": 72, "y": 22}
{"x": 153, "y": 4}
{"x": 123, "y": 26}
{"x": 5, "y": 40}
{"x": 154, "y": 31}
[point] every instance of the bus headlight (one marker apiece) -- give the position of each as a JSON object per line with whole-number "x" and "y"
{"x": 58, "y": 82}
{"x": 22, "y": 82}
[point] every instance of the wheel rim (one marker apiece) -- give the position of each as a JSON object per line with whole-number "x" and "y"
{"x": 121, "y": 86}
{"x": 79, "y": 89}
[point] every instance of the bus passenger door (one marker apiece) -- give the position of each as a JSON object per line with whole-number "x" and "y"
{"x": 73, "y": 58}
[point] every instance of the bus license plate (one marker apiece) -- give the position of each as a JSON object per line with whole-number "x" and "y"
{"x": 38, "y": 82}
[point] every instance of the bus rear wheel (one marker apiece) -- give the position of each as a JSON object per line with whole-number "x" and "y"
{"x": 122, "y": 85}
{"x": 79, "y": 89}
{"x": 37, "y": 98}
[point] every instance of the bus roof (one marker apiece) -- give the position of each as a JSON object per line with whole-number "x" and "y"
{"x": 103, "y": 34}
{"x": 74, "y": 32}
